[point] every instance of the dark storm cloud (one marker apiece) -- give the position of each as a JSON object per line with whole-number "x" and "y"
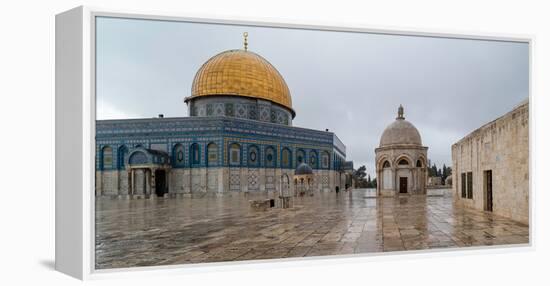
{"x": 351, "y": 83}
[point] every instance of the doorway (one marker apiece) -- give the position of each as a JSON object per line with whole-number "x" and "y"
{"x": 403, "y": 185}
{"x": 160, "y": 182}
{"x": 488, "y": 178}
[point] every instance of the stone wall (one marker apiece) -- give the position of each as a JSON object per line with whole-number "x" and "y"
{"x": 502, "y": 147}
{"x": 214, "y": 180}
{"x": 435, "y": 181}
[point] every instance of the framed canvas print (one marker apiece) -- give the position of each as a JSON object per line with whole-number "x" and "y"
{"x": 192, "y": 141}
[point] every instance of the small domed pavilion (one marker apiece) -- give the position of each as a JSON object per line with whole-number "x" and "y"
{"x": 303, "y": 179}
{"x": 401, "y": 159}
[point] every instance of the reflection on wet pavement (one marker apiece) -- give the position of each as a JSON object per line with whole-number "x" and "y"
{"x": 147, "y": 232}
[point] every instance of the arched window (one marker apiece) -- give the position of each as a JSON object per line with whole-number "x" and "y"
{"x": 418, "y": 163}
{"x": 403, "y": 162}
{"x": 286, "y": 158}
{"x": 270, "y": 157}
{"x": 313, "y": 159}
{"x": 107, "y": 157}
{"x": 195, "y": 154}
{"x": 325, "y": 160}
{"x": 386, "y": 164}
{"x": 253, "y": 156}
{"x": 178, "y": 155}
{"x": 121, "y": 157}
{"x": 212, "y": 157}
{"x": 300, "y": 157}
{"x": 235, "y": 154}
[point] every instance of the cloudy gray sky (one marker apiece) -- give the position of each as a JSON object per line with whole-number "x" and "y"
{"x": 351, "y": 83}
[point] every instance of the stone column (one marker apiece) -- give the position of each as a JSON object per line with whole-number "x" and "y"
{"x": 151, "y": 182}
{"x": 132, "y": 187}
{"x": 143, "y": 181}
{"x": 380, "y": 182}
{"x": 413, "y": 173}
{"x": 395, "y": 181}
{"x": 168, "y": 177}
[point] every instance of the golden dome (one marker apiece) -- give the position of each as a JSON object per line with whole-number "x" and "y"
{"x": 241, "y": 73}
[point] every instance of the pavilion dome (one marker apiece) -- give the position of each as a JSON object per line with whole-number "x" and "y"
{"x": 303, "y": 169}
{"x": 400, "y": 132}
{"x": 241, "y": 73}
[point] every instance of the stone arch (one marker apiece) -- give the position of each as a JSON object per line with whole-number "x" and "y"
{"x": 285, "y": 185}
{"x": 421, "y": 173}
{"x": 403, "y": 162}
{"x": 401, "y": 158}
{"x": 385, "y": 173}
{"x": 422, "y": 161}
{"x": 382, "y": 161}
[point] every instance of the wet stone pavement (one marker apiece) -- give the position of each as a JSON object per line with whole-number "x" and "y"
{"x": 147, "y": 232}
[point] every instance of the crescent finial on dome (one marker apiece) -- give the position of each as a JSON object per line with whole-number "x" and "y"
{"x": 245, "y": 35}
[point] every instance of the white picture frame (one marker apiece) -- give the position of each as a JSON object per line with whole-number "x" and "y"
{"x": 75, "y": 132}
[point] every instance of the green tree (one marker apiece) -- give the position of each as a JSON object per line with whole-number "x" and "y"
{"x": 444, "y": 174}
{"x": 432, "y": 171}
{"x": 359, "y": 176}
